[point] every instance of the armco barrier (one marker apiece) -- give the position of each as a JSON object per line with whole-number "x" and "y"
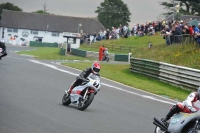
{"x": 43, "y": 44}
{"x": 122, "y": 57}
{"x": 177, "y": 75}
{"x": 78, "y": 52}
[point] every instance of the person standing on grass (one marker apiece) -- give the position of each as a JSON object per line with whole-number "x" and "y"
{"x": 101, "y": 49}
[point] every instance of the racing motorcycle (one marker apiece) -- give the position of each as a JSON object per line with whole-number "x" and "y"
{"x": 83, "y": 94}
{"x": 106, "y": 58}
{"x": 179, "y": 123}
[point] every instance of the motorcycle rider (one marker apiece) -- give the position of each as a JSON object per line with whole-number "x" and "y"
{"x": 2, "y": 45}
{"x": 105, "y": 54}
{"x": 95, "y": 69}
{"x": 186, "y": 106}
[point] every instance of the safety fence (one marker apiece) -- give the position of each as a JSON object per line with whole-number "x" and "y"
{"x": 179, "y": 39}
{"x": 181, "y": 76}
{"x": 43, "y": 44}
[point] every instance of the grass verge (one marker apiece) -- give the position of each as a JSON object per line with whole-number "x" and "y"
{"x": 46, "y": 53}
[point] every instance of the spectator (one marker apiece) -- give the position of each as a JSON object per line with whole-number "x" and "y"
{"x": 95, "y": 36}
{"x": 191, "y": 32}
{"x": 166, "y": 32}
{"x": 108, "y": 34}
{"x": 101, "y": 49}
{"x": 176, "y": 33}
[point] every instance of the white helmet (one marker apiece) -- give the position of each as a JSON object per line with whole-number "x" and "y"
{"x": 198, "y": 90}
{"x": 2, "y": 41}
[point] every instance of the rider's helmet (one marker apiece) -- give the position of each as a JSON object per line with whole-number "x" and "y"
{"x": 2, "y": 41}
{"x": 106, "y": 49}
{"x": 96, "y": 67}
{"x": 198, "y": 95}
{"x": 198, "y": 90}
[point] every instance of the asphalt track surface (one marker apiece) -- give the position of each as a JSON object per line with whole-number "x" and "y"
{"x": 30, "y": 101}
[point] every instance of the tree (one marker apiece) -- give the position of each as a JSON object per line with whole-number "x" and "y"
{"x": 44, "y": 11}
{"x": 41, "y": 12}
{"x": 112, "y": 13}
{"x": 187, "y": 7}
{"x": 8, "y": 6}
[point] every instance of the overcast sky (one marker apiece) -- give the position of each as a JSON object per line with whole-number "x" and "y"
{"x": 141, "y": 10}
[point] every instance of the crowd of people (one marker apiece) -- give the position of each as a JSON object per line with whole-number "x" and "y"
{"x": 150, "y": 28}
{"x": 172, "y": 32}
{"x": 179, "y": 31}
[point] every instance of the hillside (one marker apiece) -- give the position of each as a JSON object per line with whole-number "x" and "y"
{"x": 187, "y": 55}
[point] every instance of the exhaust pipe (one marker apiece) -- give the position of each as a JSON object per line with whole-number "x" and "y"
{"x": 159, "y": 124}
{"x": 164, "y": 129}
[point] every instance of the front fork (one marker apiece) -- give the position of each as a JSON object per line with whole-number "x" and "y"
{"x": 85, "y": 93}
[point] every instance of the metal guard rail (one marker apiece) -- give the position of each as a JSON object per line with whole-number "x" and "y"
{"x": 184, "y": 77}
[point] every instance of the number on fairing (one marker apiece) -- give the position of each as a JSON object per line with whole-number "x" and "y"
{"x": 96, "y": 84}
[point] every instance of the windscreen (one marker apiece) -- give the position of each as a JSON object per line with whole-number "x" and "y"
{"x": 94, "y": 77}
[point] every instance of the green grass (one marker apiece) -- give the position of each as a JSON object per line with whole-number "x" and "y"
{"x": 44, "y": 53}
{"x": 133, "y": 41}
{"x": 187, "y": 55}
{"x": 121, "y": 73}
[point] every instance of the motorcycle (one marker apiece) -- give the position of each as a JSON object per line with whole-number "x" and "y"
{"x": 106, "y": 58}
{"x": 179, "y": 123}
{"x": 83, "y": 94}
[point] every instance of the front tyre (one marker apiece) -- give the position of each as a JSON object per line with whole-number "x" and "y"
{"x": 158, "y": 130}
{"x": 83, "y": 104}
{"x": 191, "y": 130}
{"x": 66, "y": 99}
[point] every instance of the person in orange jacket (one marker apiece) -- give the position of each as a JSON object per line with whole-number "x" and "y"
{"x": 101, "y": 49}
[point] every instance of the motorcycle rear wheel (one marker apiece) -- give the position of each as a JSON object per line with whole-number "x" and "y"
{"x": 107, "y": 59}
{"x": 66, "y": 99}
{"x": 84, "y": 104}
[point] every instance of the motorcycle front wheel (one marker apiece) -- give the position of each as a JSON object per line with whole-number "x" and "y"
{"x": 83, "y": 104}
{"x": 66, "y": 99}
{"x": 158, "y": 130}
{"x": 191, "y": 130}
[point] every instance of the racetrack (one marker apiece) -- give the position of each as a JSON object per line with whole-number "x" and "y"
{"x": 31, "y": 93}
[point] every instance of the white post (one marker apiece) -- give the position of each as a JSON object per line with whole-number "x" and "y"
{"x": 129, "y": 57}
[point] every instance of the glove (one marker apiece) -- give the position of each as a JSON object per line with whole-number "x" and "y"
{"x": 193, "y": 110}
{"x": 85, "y": 80}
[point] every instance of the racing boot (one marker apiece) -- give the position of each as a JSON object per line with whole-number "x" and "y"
{"x": 175, "y": 109}
{"x": 70, "y": 89}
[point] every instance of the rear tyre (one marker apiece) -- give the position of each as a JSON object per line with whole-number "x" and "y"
{"x": 107, "y": 59}
{"x": 66, "y": 99}
{"x": 83, "y": 104}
